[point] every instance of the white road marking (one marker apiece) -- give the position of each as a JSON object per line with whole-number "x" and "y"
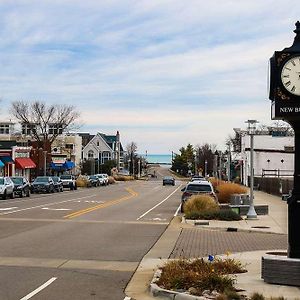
{"x": 127, "y": 298}
{"x": 144, "y": 214}
{"x": 45, "y": 205}
{"x": 177, "y": 211}
{"x": 43, "y": 286}
{"x": 56, "y": 208}
{"x": 8, "y": 208}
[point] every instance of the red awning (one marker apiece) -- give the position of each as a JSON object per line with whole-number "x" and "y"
{"x": 24, "y": 163}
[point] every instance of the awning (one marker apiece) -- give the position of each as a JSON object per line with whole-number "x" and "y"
{"x": 24, "y": 163}
{"x": 56, "y": 166}
{"x": 1, "y": 164}
{"x": 7, "y": 159}
{"x": 69, "y": 165}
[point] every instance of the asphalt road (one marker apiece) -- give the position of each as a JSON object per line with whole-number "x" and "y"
{"x": 83, "y": 244}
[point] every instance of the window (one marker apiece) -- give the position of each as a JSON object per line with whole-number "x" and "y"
{"x": 28, "y": 129}
{"x": 106, "y": 156}
{"x": 289, "y": 149}
{"x": 98, "y": 144}
{"x": 69, "y": 146}
{"x": 4, "y": 129}
{"x": 90, "y": 154}
{"x": 55, "y": 129}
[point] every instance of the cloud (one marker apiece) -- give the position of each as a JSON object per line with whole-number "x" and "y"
{"x": 161, "y": 70}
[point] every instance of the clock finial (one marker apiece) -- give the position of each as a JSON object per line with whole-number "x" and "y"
{"x": 297, "y": 30}
{"x": 296, "y": 44}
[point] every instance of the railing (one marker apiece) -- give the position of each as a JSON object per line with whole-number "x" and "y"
{"x": 277, "y": 173}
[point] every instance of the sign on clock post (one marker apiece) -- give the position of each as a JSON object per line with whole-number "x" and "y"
{"x": 284, "y": 92}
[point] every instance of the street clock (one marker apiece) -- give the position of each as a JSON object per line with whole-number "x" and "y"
{"x": 284, "y": 82}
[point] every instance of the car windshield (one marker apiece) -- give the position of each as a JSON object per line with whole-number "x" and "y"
{"x": 17, "y": 180}
{"x": 199, "y": 188}
{"x": 41, "y": 179}
{"x": 1, "y": 180}
{"x": 55, "y": 178}
{"x": 93, "y": 177}
{"x": 168, "y": 177}
{"x": 100, "y": 176}
{"x": 66, "y": 177}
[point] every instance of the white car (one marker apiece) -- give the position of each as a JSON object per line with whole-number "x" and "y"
{"x": 6, "y": 188}
{"x": 103, "y": 179}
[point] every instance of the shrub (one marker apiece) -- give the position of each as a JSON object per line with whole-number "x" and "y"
{"x": 123, "y": 178}
{"x": 227, "y": 189}
{"x": 200, "y": 275}
{"x": 222, "y": 215}
{"x": 111, "y": 180}
{"x": 82, "y": 181}
{"x": 215, "y": 181}
{"x": 200, "y": 203}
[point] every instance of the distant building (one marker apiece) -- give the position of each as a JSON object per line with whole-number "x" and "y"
{"x": 100, "y": 148}
{"x": 273, "y": 153}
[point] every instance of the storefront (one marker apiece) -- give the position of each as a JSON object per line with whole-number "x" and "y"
{"x": 9, "y": 164}
{"x": 23, "y": 163}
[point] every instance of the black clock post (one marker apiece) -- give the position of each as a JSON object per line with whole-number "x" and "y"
{"x": 278, "y": 267}
{"x": 285, "y": 96}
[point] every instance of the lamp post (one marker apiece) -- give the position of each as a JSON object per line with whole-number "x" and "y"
{"x": 228, "y": 162}
{"x": 205, "y": 168}
{"x": 251, "y": 131}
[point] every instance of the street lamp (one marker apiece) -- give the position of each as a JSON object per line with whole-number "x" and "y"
{"x": 251, "y": 131}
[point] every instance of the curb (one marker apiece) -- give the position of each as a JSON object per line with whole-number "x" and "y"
{"x": 157, "y": 291}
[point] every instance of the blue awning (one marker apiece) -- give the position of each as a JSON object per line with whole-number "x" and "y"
{"x": 7, "y": 159}
{"x": 1, "y": 164}
{"x": 69, "y": 165}
{"x": 57, "y": 167}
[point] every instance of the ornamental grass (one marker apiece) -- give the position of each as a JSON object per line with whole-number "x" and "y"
{"x": 123, "y": 178}
{"x": 215, "y": 181}
{"x": 227, "y": 189}
{"x": 200, "y": 203}
{"x": 200, "y": 275}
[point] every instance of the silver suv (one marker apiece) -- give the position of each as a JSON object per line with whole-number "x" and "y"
{"x": 6, "y": 188}
{"x": 196, "y": 188}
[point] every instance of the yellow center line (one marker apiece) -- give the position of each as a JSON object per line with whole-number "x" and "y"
{"x": 102, "y": 205}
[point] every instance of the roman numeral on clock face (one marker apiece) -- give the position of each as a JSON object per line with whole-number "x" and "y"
{"x": 287, "y": 83}
{"x": 293, "y": 88}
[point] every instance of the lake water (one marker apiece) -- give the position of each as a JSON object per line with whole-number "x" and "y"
{"x": 158, "y": 158}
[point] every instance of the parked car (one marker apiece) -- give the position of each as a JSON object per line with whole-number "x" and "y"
{"x": 102, "y": 179}
{"x": 105, "y": 178}
{"x": 21, "y": 186}
{"x": 94, "y": 180}
{"x": 43, "y": 184}
{"x": 69, "y": 181}
{"x": 6, "y": 188}
{"x": 168, "y": 180}
{"x": 198, "y": 178}
{"x": 197, "y": 188}
{"x": 58, "y": 184}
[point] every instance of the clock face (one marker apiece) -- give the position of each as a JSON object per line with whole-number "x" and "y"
{"x": 290, "y": 75}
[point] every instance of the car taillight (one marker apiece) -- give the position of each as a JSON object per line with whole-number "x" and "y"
{"x": 186, "y": 194}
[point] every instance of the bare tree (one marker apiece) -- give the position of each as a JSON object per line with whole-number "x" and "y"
{"x": 131, "y": 148}
{"x": 45, "y": 122}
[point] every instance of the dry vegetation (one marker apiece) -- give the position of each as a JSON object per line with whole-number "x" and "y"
{"x": 227, "y": 189}
{"x": 200, "y": 203}
{"x": 200, "y": 275}
{"x": 123, "y": 178}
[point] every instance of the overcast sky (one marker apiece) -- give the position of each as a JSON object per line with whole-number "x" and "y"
{"x": 163, "y": 72}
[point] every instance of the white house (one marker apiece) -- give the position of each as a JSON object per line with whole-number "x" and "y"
{"x": 273, "y": 154}
{"x": 102, "y": 147}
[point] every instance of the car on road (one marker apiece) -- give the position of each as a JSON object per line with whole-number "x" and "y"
{"x": 21, "y": 186}
{"x": 58, "y": 184}
{"x": 168, "y": 180}
{"x": 198, "y": 178}
{"x": 6, "y": 188}
{"x": 105, "y": 178}
{"x": 94, "y": 180}
{"x": 69, "y": 181}
{"x": 43, "y": 184}
{"x": 197, "y": 188}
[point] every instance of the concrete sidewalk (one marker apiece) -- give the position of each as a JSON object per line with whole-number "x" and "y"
{"x": 253, "y": 239}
